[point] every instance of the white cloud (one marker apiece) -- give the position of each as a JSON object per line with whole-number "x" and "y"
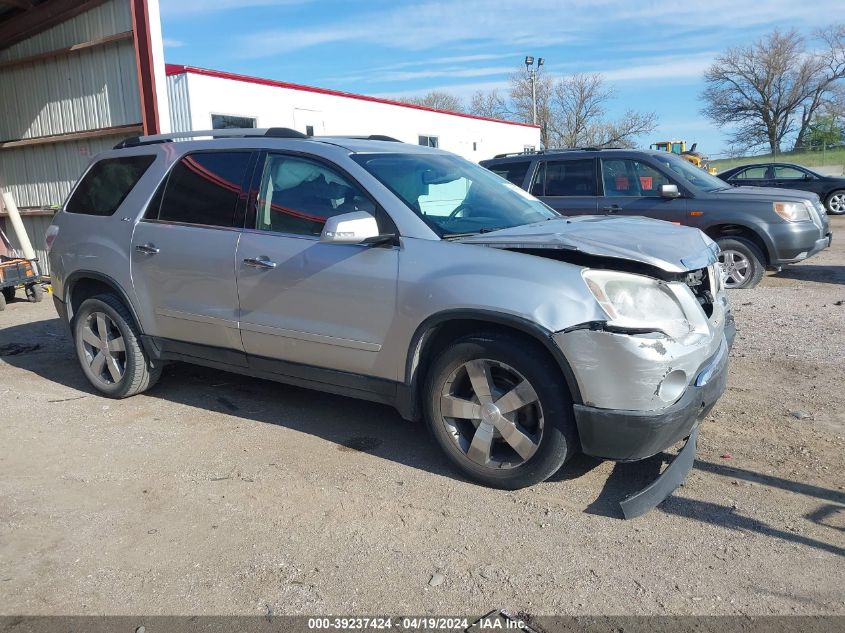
{"x": 192, "y": 7}
{"x": 171, "y": 43}
{"x": 680, "y": 67}
{"x": 462, "y": 91}
{"x": 535, "y": 23}
{"x": 376, "y": 76}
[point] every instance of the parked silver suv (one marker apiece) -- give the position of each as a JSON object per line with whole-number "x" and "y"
{"x": 400, "y": 274}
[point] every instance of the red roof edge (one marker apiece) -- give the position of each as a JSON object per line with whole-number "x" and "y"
{"x": 178, "y": 69}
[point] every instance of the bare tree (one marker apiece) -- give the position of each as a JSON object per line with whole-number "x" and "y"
{"x": 768, "y": 89}
{"x": 437, "y": 99}
{"x": 522, "y": 104}
{"x": 622, "y": 132}
{"x": 490, "y": 104}
{"x": 571, "y": 111}
{"x": 578, "y": 115}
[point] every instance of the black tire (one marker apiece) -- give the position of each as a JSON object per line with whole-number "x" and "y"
{"x": 752, "y": 255}
{"x": 835, "y": 202}
{"x": 2, "y": 301}
{"x": 9, "y": 294}
{"x": 558, "y": 439}
{"x": 35, "y": 293}
{"x": 139, "y": 374}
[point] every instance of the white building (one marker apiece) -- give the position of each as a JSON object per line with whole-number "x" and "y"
{"x": 202, "y": 99}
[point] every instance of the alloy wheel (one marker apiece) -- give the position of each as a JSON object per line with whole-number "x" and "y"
{"x": 492, "y": 413}
{"x": 736, "y": 268}
{"x": 836, "y": 204}
{"x": 104, "y": 348}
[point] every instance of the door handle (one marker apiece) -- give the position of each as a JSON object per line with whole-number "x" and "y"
{"x": 147, "y": 249}
{"x": 614, "y": 208}
{"x": 260, "y": 262}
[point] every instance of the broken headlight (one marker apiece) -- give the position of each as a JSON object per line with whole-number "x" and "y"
{"x": 637, "y": 302}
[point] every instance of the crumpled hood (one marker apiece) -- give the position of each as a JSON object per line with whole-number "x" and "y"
{"x": 764, "y": 193}
{"x": 656, "y": 243}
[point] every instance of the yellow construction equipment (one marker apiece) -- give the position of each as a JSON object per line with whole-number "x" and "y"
{"x": 680, "y": 148}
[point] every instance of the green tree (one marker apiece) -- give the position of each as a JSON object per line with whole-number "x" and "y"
{"x": 825, "y": 131}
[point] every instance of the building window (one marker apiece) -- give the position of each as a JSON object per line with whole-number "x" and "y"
{"x": 473, "y": 146}
{"x": 309, "y": 130}
{"x": 429, "y": 141}
{"x": 528, "y": 149}
{"x": 228, "y": 121}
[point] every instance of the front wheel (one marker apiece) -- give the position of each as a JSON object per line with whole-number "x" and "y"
{"x": 9, "y": 294}
{"x": 741, "y": 263}
{"x": 109, "y": 348}
{"x": 835, "y": 202}
{"x": 499, "y": 408}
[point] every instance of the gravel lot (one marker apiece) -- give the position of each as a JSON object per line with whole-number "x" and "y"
{"x": 220, "y": 494}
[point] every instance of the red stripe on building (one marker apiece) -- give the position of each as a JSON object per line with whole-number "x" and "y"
{"x": 177, "y": 69}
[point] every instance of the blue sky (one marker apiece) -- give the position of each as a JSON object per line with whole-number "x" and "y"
{"x": 652, "y": 52}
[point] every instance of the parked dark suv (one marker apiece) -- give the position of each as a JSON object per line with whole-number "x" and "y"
{"x": 755, "y": 227}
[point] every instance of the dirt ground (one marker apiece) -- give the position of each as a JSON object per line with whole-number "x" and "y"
{"x": 220, "y": 494}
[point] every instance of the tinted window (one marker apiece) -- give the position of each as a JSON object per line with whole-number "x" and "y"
{"x": 788, "y": 173}
{"x": 227, "y": 121}
{"x": 752, "y": 173}
{"x": 631, "y": 178}
{"x": 107, "y": 184}
{"x": 514, "y": 172}
{"x": 298, "y": 195}
{"x": 569, "y": 178}
{"x": 203, "y": 188}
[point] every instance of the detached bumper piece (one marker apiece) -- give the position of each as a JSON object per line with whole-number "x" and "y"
{"x": 635, "y": 435}
{"x": 653, "y": 494}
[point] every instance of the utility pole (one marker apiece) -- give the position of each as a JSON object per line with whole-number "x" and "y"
{"x": 532, "y": 74}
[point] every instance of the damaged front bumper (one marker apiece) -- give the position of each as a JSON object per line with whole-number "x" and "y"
{"x": 624, "y": 435}
{"x": 634, "y": 369}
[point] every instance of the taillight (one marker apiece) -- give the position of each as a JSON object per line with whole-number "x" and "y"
{"x": 50, "y": 236}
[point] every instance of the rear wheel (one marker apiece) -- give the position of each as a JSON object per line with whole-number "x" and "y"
{"x": 835, "y": 202}
{"x": 109, "y": 348}
{"x": 741, "y": 262}
{"x": 9, "y": 293}
{"x": 2, "y": 301}
{"x": 500, "y": 410}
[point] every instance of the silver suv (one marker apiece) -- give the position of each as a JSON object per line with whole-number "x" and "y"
{"x": 400, "y": 274}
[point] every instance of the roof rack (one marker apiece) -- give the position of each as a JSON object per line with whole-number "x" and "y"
{"x": 523, "y": 153}
{"x": 270, "y": 132}
{"x": 551, "y": 150}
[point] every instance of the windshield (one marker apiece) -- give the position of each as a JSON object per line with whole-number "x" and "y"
{"x": 452, "y": 195}
{"x": 690, "y": 174}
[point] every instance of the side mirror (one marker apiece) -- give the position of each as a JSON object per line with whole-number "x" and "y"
{"x": 669, "y": 191}
{"x": 350, "y": 228}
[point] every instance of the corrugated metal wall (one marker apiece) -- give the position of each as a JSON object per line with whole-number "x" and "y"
{"x": 180, "y": 102}
{"x": 90, "y": 89}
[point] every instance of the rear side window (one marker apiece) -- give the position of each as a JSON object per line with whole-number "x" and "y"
{"x": 204, "y": 188}
{"x": 566, "y": 178}
{"x": 514, "y": 172}
{"x": 107, "y": 184}
{"x": 752, "y": 173}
